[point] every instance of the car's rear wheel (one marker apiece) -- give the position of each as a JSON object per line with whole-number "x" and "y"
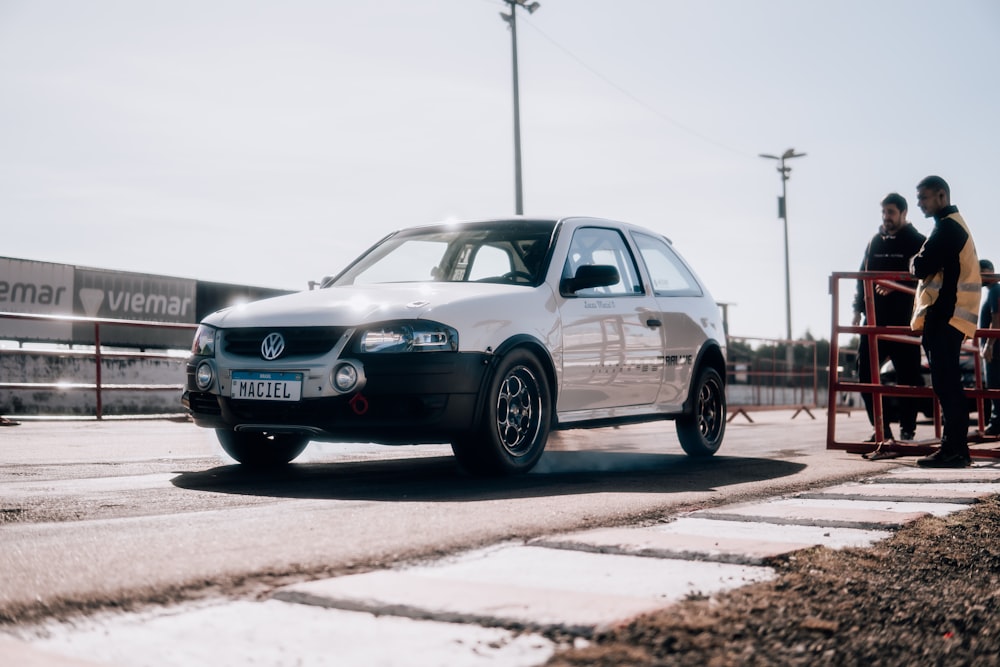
{"x": 701, "y": 431}
{"x": 262, "y": 449}
{"x": 515, "y": 421}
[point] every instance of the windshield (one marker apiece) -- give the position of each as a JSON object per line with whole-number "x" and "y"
{"x": 510, "y": 251}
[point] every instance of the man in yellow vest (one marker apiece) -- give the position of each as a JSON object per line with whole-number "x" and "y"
{"x": 945, "y": 310}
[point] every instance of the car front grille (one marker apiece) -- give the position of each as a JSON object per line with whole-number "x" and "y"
{"x": 299, "y": 341}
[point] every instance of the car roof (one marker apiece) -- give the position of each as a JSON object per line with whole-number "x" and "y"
{"x": 532, "y": 221}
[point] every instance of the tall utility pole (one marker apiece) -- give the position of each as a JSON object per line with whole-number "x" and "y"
{"x": 511, "y": 20}
{"x": 783, "y": 214}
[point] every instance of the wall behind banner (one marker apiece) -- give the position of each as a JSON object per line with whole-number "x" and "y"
{"x": 44, "y": 288}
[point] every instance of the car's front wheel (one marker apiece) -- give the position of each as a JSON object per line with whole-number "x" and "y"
{"x": 261, "y": 449}
{"x": 701, "y": 431}
{"x": 515, "y": 422}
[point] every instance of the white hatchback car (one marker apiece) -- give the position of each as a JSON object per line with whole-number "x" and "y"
{"x": 485, "y": 334}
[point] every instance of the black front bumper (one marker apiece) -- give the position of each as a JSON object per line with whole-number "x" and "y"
{"x": 423, "y": 397}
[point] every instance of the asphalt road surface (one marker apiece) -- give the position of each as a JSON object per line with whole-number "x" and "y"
{"x": 108, "y": 513}
{"x": 98, "y": 516}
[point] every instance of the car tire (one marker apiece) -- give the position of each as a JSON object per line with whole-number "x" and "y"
{"x": 262, "y": 449}
{"x": 516, "y": 416}
{"x": 701, "y": 431}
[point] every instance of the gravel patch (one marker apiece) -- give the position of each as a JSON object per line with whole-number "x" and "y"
{"x": 929, "y": 595}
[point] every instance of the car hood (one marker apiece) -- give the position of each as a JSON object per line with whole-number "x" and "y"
{"x": 361, "y": 304}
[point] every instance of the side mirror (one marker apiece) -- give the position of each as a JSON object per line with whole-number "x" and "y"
{"x": 591, "y": 275}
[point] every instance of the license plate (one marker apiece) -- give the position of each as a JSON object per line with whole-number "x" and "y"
{"x": 253, "y": 386}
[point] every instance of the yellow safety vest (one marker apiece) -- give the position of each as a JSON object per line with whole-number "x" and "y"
{"x": 969, "y": 289}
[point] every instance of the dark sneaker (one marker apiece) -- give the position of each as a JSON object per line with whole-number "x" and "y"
{"x": 942, "y": 459}
{"x": 907, "y": 435}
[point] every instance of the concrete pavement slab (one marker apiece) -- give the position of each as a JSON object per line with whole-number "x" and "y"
{"x": 527, "y": 586}
{"x": 834, "y": 538}
{"x": 982, "y": 473}
{"x": 718, "y": 541}
{"x": 284, "y": 635}
{"x": 945, "y": 492}
{"x": 868, "y": 515}
{"x": 409, "y": 595}
{"x": 651, "y": 543}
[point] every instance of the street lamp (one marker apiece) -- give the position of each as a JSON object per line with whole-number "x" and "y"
{"x": 783, "y": 214}
{"x": 511, "y": 20}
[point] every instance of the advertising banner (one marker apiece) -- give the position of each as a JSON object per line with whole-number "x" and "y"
{"x": 43, "y": 288}
{"x": 39, "y": 288}
{"x": 134, "y": 296}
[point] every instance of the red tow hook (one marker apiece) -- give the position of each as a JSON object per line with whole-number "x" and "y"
{"x": 359, "y": 404}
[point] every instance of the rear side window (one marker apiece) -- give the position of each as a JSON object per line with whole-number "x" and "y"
{"x": 669, "y": 274}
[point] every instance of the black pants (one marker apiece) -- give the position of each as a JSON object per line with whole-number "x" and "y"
{"x": 943, "y": 346}
{"x": 906, "y": 360}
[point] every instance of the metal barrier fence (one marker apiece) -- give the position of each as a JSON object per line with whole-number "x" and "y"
{"x": 757, "y": 381}
{"x": 99, "y": 355}
{"x": 760, "y": 382}
{"x": 875, "y": 333}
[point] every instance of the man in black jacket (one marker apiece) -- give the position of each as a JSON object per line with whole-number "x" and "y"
{"x": 944, "y": 311}
{"x": 890, "y": 250}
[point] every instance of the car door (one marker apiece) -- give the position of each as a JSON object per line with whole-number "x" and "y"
{"x": 679, "y": 299}
{"x": 612, "y": 346}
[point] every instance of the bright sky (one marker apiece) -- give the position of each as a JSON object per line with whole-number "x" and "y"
{"x": 268, "y": 143}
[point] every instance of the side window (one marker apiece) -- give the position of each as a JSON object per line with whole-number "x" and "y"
{"x": 596, "y": 245}
{"x": 669, "y": 274}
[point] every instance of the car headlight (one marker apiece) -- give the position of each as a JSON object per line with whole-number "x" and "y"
{"x": 204, "y": 375}
{"x": 204, "y": 341}
{"x": 416, "y": 336}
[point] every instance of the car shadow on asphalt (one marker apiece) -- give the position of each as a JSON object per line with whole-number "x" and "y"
{"x": 439, "y": 479}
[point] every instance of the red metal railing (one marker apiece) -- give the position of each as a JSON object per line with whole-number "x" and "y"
{"x": 876, "y": 333}
{"x": 98, "y": 354}
{"x": 769, "y": 383}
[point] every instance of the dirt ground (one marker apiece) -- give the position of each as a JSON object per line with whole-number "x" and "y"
{"x": 930, "y": 595}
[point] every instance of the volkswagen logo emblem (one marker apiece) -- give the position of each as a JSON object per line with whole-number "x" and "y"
{"x": 273, "y": 346}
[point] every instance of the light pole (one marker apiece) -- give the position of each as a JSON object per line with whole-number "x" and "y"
{"x": 783, "y": 214}
{"x": 511, "y": 20}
